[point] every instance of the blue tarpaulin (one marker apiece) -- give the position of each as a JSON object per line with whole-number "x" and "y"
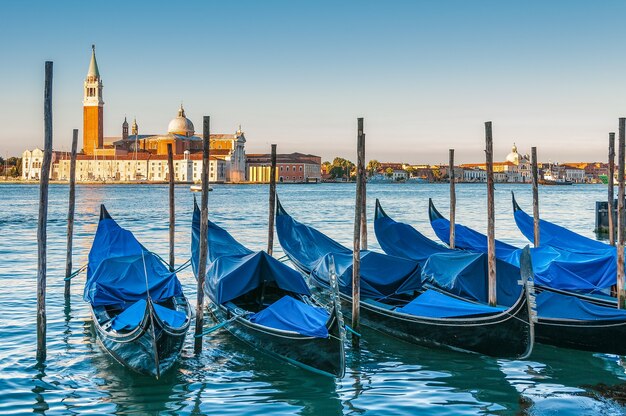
{"x": 556, "y": 236}
{"x": 234, "y": 270}
{"x": 558, "y": 306}
{"x": 459, "y": 272}
{"x": 553, "y": 267}
{"x": 381, "y": 275}
{"x": 116, "y": 274}
{"x": 293, "y": 315}
{"x": 134, "y": 314}
{"x": 434, "y": 304}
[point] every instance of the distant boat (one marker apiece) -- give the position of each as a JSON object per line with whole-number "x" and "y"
{"x": 198, "y": 188}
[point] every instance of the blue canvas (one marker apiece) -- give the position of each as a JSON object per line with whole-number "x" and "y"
{"x": 117, "y": 270}
{"x": 434, "y": 304}
{"x": 558, "y": 306}
{"x": 290, "y": 314}
{"x": 381, "y": 275}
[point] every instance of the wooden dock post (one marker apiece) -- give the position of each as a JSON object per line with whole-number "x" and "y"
{"x": 272, "y": 204}
{"x": 356, "y": 253}
{"x": 363, "y": 196}
{"x": 204, "y": 229}
{"x": 452, "y": 198}
{"x": 491, "y": 217}
{"x": 620, "y": 213}
{"x": 535, "y": 172}
{"x": 170, "y": 167}
{"x": 43, "y": 216}
{"x": 611, "y": 178}
{"x": 70, "y": 213}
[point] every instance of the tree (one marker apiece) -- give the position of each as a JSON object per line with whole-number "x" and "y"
{"x": 411, "y": 171}
{"x": 372, "y": 167}
{"x": 389, "y": 172}
{"x": 340, "y": 168}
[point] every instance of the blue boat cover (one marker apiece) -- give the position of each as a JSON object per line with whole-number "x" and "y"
{"x": 310, "y": 250}
{"x": 459, "y": 272}
{"x": 434, "y": 304}
{"x": 132, "y": 316}
{"x": 381, "y": 275}
{"x": 234, "y": 270}
{"x": 116, "y": 274}
{"x": 291, "y": 314}
{"x": 553, "y": 267}
{"x": 558, "y": 306}
{"x": 556, "y": 236}
{"x": 465, "y": 274}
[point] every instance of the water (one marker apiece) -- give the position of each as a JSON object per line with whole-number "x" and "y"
{"x": 386, "y": 377}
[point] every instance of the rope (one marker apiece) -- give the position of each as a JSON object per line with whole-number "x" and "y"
{"x": 283, "y": 258}
{"x": 76, "y": 273}
{"x": 183, "y": 266}
{"x": 218, "y": 326}
{"x": 352, "y": 331}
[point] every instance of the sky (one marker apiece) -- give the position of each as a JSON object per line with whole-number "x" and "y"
{"x": 425, "y": 75}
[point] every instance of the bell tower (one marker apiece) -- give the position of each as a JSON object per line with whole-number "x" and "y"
{"x": 93, "y": 132}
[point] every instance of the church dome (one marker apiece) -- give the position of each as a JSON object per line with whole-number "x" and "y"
{"x": 513, "y": 157}
{"x": 181, "y": 125}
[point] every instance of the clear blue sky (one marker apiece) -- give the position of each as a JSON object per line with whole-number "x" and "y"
{"x": 424, "y": 74}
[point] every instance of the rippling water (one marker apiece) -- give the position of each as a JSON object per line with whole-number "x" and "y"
{"x": 386, "y": 377}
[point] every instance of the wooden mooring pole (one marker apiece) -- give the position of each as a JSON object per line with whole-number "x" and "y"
{"x": 491, "y": 217}
{"x": 452, "y": 198}
{"x": 535, "y": 172}
{"x": 620, "y": 213}
{"x": 611, "y": 179}
{"x": 43, "y": 216}
{"x": 204, "y": 229}
{"x": 363, "y": 195}
{"x": 356, "y": 253}
{"x": 70, "y": 213}
{"x": 272, "y": 203}
{"x": 172, "y": 173}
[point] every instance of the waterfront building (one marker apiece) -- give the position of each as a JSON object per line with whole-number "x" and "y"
{"x": 131, "y": 156}
{"x": 291, "y": 168}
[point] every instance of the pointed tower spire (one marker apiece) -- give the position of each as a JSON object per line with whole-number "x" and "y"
{"x": 93, "y": 65}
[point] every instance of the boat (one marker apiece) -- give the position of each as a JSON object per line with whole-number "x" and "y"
{"x": 198, "y": 188}
{"x": 268, "y": 305}
{"x": 550, "y": 179}
{"x": 139, "y": 311}
{"x": 559, "y": 237}
{"x": 567, "y": 316}
{"x": 394, "y": 300}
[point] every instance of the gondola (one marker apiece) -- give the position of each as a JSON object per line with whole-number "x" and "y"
{"x": 395, "y": 301}
{"x": 139, "y": 311}
{"x": 565, "y": 318}
{"x": 268, "y": 305}
{"x": 556, "y": 236}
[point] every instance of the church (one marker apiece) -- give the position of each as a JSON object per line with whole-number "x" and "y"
{"x": 143, "y": 157}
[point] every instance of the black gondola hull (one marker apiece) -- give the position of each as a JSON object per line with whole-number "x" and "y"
{"x": 320, "y": 355}
{"x": 504, "y": 335}
{"x": 135, "y": 350}
{"x": 596, "y": 336}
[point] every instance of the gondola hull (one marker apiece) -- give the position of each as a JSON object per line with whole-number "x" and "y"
{"x": 596, "y": 336}
{"x": 136, "y": 349}
{"x": 320, "y": 355}
{"x": 505, "y": 335}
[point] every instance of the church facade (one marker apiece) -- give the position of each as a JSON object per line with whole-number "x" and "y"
{"x": 135, "y": 157}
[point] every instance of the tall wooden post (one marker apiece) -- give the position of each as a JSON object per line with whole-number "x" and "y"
{"x": 204, "y": 229}
{"x": 611, "y": 177}
{"x": 356, "y": 253}
{"x": 172, "y": 173}
{"x": 535, "y": 173}
{"x": 70, "y": 213}
{"x": 452, "y": 198}
{"x": 43, "y": 216}
{"x": 272, "y": 204}
{"x": 363, "y": 195}
{"x": 620, "y": 214}
{"x": 491, "y": 217}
